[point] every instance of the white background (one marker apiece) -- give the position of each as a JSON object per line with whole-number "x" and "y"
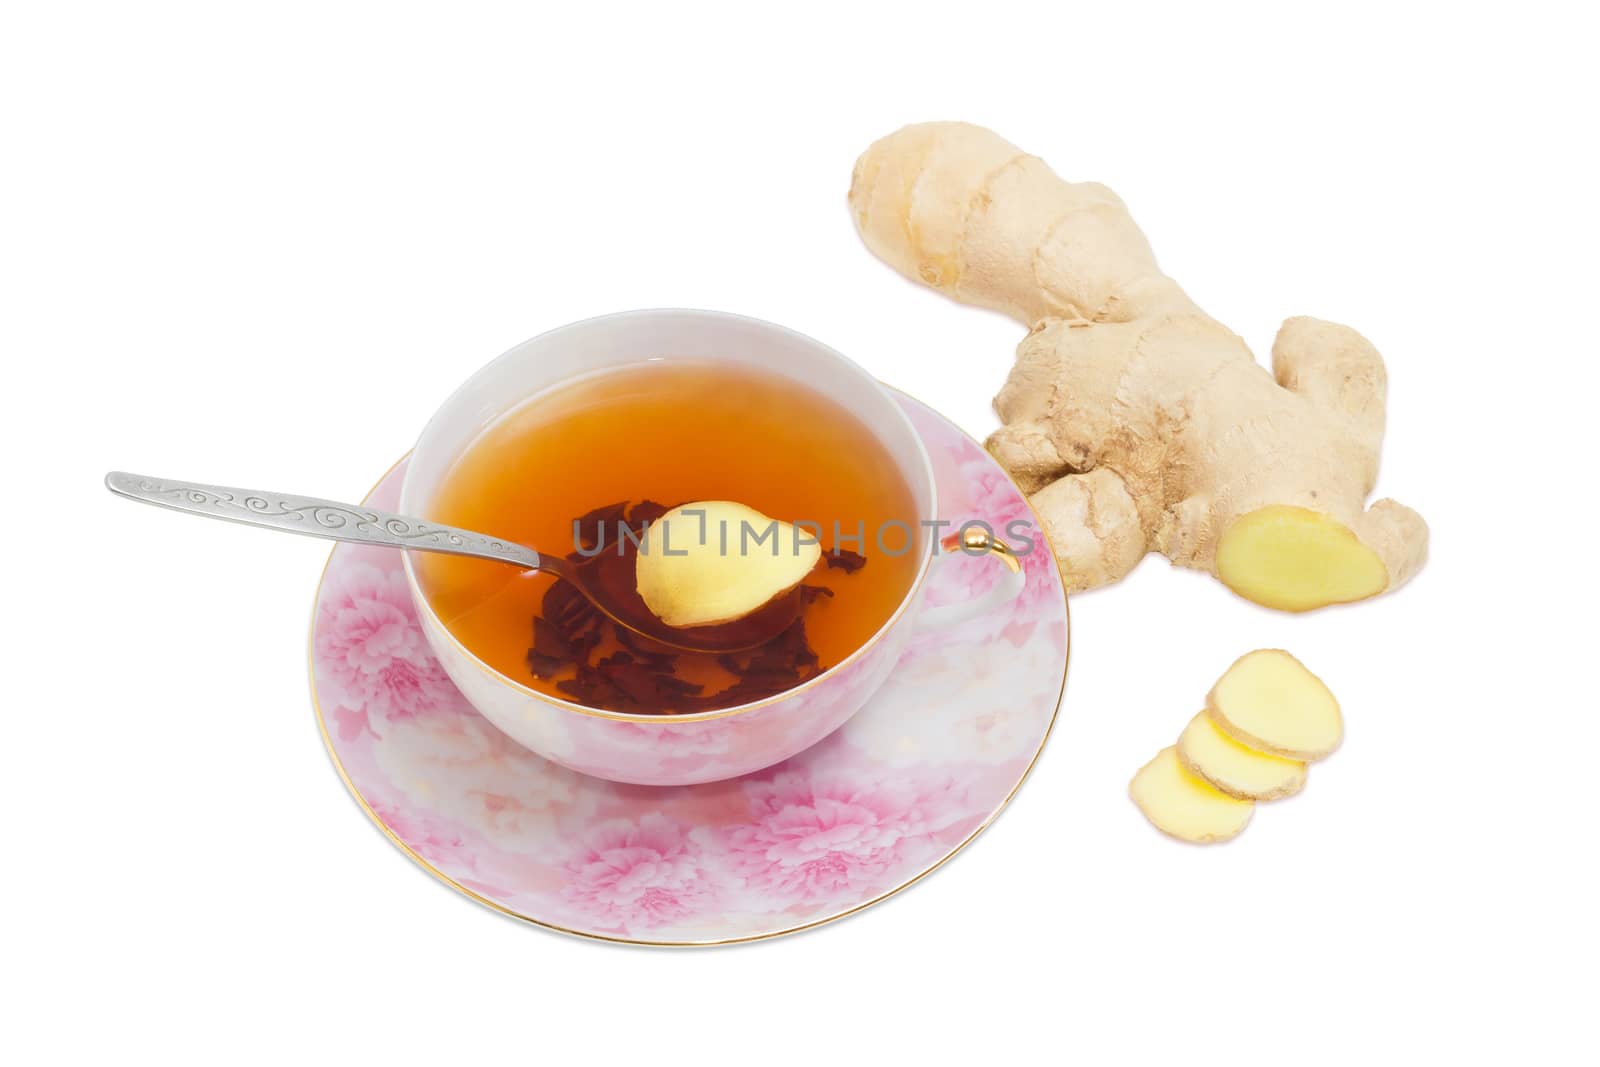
{"x": 259, "y": 246}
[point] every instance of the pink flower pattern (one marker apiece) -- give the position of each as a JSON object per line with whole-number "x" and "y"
{"x": 370, "y": 647}
{"x": 821, "y": 837}
{"x": 639, "y": 875}
{"x": 433, "y": 839}
{"x": 851, "y": 818}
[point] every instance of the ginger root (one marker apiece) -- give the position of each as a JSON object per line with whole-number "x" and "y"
{"x": 1208, "y": 753}
{"x": 1135, "y": 421}
{"x": 1186, "y": 807}
{"x": 1268, "y": 701}
{"x": 714, "y": 561}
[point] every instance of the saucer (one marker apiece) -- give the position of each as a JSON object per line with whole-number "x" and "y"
{"x": 906, "y": 783}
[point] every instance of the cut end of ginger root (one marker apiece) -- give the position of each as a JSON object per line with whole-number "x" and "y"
{"x": 1208, "y": 753}
{"x": 716, "y": 561}
{"x": 1270, "y": 702}
{"x": 1184, "y": 806}
{"x": 1296, "y": 559}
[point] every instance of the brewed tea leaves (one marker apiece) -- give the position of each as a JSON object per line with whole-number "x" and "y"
{"x": 642, "y": 676}
{"x": 845, "y": 560}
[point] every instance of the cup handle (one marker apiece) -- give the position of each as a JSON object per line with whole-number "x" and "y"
{"x": 973, "y": 541}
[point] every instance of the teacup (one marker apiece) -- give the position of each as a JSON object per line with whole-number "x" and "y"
{"x": 726, "y": 742}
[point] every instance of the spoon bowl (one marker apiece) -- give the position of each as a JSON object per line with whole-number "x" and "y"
{"x": 607, "y": 581}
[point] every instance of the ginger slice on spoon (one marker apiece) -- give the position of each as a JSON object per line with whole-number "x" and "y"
{"x": 716, "y": 561}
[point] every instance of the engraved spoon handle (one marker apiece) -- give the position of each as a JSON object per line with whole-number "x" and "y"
{"x": 312, "y": 517}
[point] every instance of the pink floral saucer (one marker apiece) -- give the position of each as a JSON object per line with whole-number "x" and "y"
{"x": 900, "y": 788}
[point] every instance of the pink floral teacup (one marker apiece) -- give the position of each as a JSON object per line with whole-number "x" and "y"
{"x": 727, "y": 742}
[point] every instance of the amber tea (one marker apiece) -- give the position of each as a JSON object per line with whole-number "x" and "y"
{"x": 576, "y": 467}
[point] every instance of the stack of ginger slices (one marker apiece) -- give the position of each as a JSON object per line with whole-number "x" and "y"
{"x": 1264, "y": 720}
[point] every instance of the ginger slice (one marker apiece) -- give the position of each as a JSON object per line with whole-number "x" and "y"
{"x": 1295, "y": 559}
{"x": 1268, "y": 701}
{"x": 1208, "y": 753}
{"x": 715, "y": 561}
{"x": 1184, "y": 806}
